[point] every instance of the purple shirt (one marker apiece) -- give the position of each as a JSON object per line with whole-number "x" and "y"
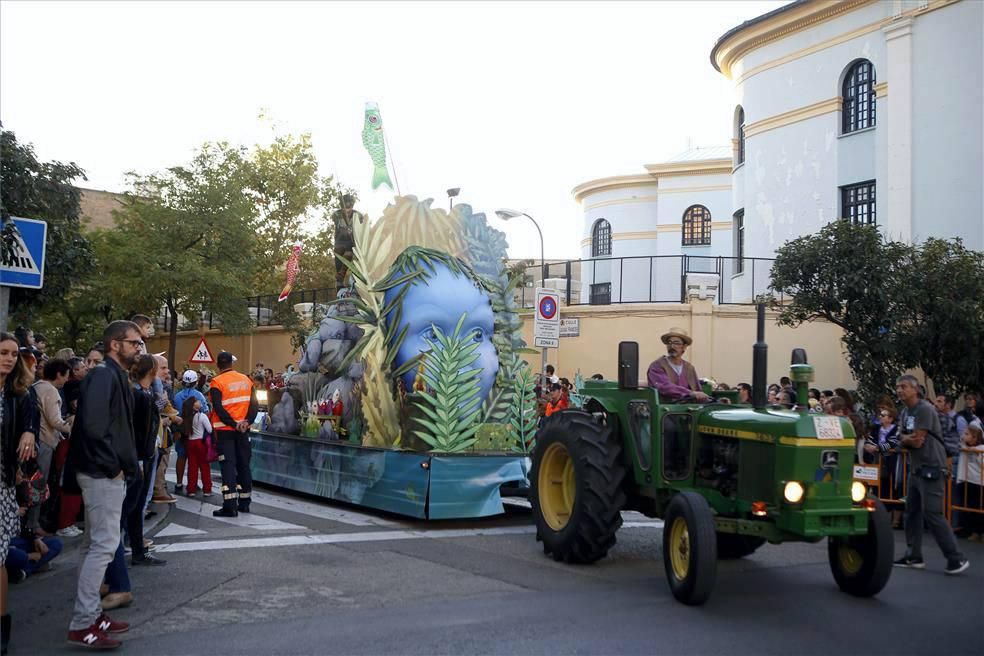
{"x": 668, "y": 390}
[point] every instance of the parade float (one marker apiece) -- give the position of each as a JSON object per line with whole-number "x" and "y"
{"x": 411, "y": 394}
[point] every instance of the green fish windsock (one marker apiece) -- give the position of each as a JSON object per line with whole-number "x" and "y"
{"x": 372, "y": 139}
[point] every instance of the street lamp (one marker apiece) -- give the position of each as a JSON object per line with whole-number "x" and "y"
{"x": 505, "y": 215}
{"x": 452, "y": 194}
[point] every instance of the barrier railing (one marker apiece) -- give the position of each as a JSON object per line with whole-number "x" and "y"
{"x": 964, "y": 491}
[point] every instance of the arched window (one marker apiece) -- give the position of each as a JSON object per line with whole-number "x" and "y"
{"x": 740, "y": 136}
{"x": 697, "y": 226}
{"x": 601, "y": 238}
{"x": 858, "y": 97}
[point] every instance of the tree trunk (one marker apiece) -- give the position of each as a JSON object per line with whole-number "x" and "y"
{"x": 172, "y": 342}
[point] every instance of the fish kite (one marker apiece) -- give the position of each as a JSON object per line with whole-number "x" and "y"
{"x": 372, "y": 139}
{"x": 293, "y": 268}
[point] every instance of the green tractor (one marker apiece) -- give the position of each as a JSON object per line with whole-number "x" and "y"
{"x": 724, "y": 477}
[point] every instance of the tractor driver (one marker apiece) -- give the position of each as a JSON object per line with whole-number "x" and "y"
{"x": 673, "y": 377}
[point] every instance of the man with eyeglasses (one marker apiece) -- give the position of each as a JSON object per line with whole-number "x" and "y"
{"x": 102, "y": 455}
{"x": 675, "y": 378}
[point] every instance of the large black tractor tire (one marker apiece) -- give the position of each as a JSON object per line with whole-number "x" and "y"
{"x": 690, "y": 548}
{"x": 576, "y": 487}
{"x": 862, "y": 564}
{"x": 732, "y": 546}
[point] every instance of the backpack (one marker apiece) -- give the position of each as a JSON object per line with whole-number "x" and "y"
{"x": 32, "y": 486}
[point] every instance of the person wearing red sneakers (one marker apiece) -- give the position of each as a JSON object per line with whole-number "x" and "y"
{"x": 97, "y": 635}
{"x": 102, "y": 455}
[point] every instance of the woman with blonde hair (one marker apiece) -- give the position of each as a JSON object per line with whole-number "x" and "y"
{"x": 18, "y": 431}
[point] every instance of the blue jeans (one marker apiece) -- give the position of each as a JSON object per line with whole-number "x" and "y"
{"x": 20, "y": 548}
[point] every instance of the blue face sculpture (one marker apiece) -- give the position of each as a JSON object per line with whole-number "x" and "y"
{"x": 439, "y": 298}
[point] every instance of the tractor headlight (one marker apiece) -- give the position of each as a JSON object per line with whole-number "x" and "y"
{"x": 858, "y": 491}
{"x": 793, "y": 492}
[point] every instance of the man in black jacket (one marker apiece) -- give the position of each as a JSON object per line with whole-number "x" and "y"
{"x": 102, "y": 455}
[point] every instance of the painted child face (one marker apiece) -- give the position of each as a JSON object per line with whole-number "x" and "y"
{"x": 440, "y": 300}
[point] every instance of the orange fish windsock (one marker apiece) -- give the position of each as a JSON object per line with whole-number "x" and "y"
{"x": 293, "y": 268}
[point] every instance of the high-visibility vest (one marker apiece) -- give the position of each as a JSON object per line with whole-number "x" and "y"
{"x": 236, "y": 390}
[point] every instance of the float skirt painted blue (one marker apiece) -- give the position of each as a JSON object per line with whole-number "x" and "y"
{"x": 421, "y": 485}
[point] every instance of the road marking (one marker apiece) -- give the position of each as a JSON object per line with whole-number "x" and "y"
{"x": 630, "y": 518}
{"x": 174, "y": 530}
{"x": 352, "y": 518}
{"x": 373, "y": 536}
{"x": 244, "y": 520}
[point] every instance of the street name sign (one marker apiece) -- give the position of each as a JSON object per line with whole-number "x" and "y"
{"x": 570, "y": 327}
{"x": 25, "y": 266}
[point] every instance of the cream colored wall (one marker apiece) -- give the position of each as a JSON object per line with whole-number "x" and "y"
{"x": 723, "y": 337}
{"x": 269, "y": 345}
{"x": 722, "y": 349}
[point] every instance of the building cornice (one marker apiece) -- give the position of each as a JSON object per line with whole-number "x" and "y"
{"x": 775, "y": 25}
{"x": 610, "y": 184}
{"x": 794, "y": 17}
{"x": 793, "y": 116}
{"x": 697, "y": 167}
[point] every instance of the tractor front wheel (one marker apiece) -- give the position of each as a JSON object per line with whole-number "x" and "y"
{"x": 862, "y": 564}
{"x": 690, "y": 548}
{"x": 576, "y": 487}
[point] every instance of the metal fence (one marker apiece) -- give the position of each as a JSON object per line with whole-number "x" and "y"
{"x": 264, "y": 309}
{"x": 646, "y": 279}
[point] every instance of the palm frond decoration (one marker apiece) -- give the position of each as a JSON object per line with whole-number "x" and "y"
{"x": 522, "y": 413}
{"x": 408, "y": 222}
{"x": 450, "y": 411}
{"x": 379, "y": 406}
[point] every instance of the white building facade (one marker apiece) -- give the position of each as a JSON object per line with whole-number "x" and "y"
{"x": 864, "y": 110}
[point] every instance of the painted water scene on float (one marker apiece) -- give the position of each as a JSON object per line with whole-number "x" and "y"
{"x": 412, "y": 394}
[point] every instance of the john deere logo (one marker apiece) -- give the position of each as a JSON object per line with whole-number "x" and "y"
{"x": 829, "y": 459}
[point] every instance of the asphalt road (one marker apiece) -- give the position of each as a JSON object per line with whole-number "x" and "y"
{"x": 303, "y": 577}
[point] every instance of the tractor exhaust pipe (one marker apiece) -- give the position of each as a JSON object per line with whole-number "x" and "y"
{"x": 760, "y": 362}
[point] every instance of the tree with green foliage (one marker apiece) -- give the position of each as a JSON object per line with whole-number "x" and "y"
{"x": 848, "y": 275}
{"x": 183, "y": 241}
{"x": 901, "y": 306}
{"x": 32, "y": 189}
{"x": 943, "y": 329}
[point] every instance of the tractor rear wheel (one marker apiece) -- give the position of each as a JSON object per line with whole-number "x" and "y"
{"x": 690, "y": 548}
{"x": 731, "y": 545}
{"x": 576, "y": 487}
{"x": 862, "y": 564}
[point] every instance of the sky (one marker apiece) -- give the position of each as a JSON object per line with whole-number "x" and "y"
{"x": 515, "y": 103}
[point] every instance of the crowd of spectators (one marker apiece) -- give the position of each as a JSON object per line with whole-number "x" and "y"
{"x": 56, "y": 488}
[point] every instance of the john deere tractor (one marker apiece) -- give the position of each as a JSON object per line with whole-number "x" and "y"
{"x": 725, "y": 478}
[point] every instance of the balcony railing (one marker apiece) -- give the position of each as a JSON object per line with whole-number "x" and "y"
{"x": 646, "y": 279}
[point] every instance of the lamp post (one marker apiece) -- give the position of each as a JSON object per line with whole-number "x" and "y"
{"x": 505, "y": 215}
{"x": 452, "y": 194}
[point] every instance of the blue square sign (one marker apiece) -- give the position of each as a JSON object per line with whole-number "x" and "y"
{"x": 26, "y": 269}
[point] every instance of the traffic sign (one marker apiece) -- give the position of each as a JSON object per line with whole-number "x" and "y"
{"x": 202, "y": 354}
{"x": 25, "y": 267}
{"x": 546, "y": 321}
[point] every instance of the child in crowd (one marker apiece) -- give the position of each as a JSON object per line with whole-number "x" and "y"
{"x": 970, "y": 481}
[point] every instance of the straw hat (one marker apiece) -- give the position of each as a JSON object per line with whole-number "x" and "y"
{"x": 677, "y": 332}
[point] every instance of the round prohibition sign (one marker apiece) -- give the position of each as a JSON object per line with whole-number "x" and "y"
{"x": 548, "y": 307}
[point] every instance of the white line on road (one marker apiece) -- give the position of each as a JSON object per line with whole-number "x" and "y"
{"x": 352, "y": 518}
{"x": 372, "y": 536}
{"x": 245, "y": 520}
{"x": 174, "y": 530}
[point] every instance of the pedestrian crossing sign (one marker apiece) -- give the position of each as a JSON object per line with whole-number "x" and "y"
{"x": 22, "y": 265}
{"x": 202, "y": 354}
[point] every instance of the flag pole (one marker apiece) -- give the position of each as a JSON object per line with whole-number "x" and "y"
{"x": 389, "y": 149}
